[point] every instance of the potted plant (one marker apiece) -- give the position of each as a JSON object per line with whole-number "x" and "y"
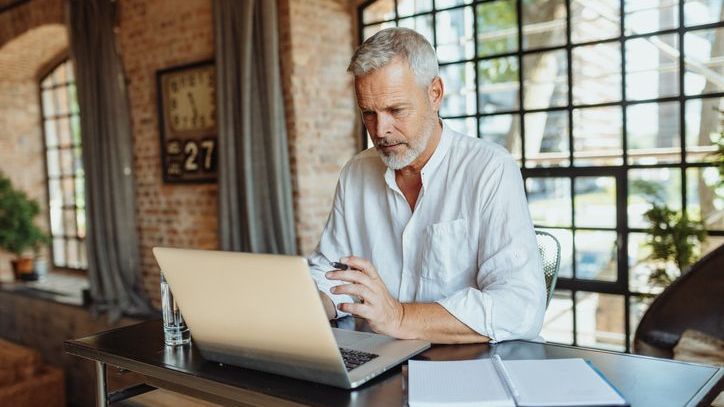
{"x": 18, "y": 232}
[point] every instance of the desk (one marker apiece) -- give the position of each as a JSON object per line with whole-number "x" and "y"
{"x": 644, "y": 381}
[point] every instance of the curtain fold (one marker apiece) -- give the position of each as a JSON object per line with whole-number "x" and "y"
{"x": 255, "y": 198}
{"x": 112, "y": 242}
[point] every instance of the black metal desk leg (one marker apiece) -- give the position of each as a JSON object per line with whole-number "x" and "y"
{"x": 101, "y": 385}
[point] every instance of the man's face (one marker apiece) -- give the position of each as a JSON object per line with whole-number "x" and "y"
{"x": 399, "y": 114}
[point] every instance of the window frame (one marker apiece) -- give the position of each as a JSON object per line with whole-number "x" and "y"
{"x": 621, "y": 286}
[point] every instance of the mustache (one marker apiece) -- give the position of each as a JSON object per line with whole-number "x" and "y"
{"x": 387, "y": 143}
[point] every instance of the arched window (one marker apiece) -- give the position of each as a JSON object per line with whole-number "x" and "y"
{"x": 64, "y": 163}
{"x": 605, "y": 103}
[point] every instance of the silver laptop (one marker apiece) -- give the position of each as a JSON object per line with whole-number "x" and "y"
{"x": 263, "y": 312}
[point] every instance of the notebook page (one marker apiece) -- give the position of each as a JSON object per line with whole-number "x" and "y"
{"x": 455, "y": 383}
{"x": 560, "y": 382}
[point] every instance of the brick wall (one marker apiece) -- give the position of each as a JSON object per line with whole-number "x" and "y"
{"x": 164, "y": 33}
{"x": 317, "y": 41}
{"x": 154, "y": 35}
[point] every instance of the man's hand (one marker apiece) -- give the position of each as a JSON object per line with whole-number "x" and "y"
{"x": 383, "y": 313}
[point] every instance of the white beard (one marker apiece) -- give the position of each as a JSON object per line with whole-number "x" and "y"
{"x": 414, "y": 149}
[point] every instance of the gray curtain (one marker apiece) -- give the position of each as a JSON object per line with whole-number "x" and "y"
{"x": 255, "y": 199}
{"x": 113, "y": 259}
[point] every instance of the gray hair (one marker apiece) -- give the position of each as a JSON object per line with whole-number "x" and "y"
{"x": 383, "y": 47}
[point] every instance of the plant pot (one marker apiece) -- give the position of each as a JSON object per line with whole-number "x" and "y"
{"x": 23, "y": 268}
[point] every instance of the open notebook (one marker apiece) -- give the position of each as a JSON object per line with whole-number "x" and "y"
{"x": 493, "y": 382}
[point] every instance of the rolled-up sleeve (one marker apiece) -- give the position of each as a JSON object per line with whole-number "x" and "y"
{"x": 509, "y": 301}
{"x": 333, "y": 244}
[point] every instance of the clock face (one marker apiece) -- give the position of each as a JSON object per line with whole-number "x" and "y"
{"x": 187, "y": 122}
{"x": 191, "y": 99}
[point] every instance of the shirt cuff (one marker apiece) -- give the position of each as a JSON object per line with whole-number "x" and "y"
{"x": 324, "y": 285}
{"x": 473, "y": 308}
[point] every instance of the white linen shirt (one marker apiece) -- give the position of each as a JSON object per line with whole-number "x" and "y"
{"x": 469, "y": 244}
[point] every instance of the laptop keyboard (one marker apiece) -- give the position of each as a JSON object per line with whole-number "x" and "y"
{"x": 355, "y": 358}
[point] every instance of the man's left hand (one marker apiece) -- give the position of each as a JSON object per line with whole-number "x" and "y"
{"x": 382, "y": 312}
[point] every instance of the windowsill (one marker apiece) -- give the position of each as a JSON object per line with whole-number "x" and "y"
{"x": 62, "y": 287}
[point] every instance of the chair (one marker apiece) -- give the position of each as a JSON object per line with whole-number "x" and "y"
{"x": 550, "y": 254}
{"x": 694, "y": 301}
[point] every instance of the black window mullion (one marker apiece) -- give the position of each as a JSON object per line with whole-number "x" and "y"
{"x": 682, "y": 104}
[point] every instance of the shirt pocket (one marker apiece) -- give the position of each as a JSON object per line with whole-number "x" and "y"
{"x": 444, "y": 259}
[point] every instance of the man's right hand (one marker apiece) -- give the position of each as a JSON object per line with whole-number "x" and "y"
{"x": 328, "y": 305}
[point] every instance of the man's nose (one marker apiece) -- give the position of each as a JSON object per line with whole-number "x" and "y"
{"x": 383, "y": 126}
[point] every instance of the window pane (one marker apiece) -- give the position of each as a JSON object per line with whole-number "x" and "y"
{"x": 544, "y": 23}
{"x": 440, "y": 4}
{"x": 704, "y": 121}
{"x": 595, "y": 201}
{"x": 464, "y": 126}
{"x": 545, "y": 81}
{"x": 73, "y": 99}
{"x": 73, "y": 253}
{"x": 594, "y": 20}
{"x": 69, "y": 221}
{"x": 704, "y": 61}
{"x": 498, "y": 80}
{"x": 565, "y": 239}
{"x": 55, "y": 196}
{"x": 502, "y": 129}
{"x": 497, "y": 27}
{"x": 652, "y": 67}
{"x": 80, "y": 218}
{"x": 77, "y": 160}
{"x": 596, "y": 255}
{"x": 597, "y": 73}
{"x": 702, "y": 201}
{"x": 82, "y": 256}
{"x": 455, "y": 35}
{"x": 51, "y": 136}
{"x": 56, "y": 221}
{"x": 61, "y": 98}
{"x": 600, "y": 320}
{"x": 549, "y": 201}
{"x": 640, "y": 266}
{"x": 373, "y": 29}
{"x": 546, "y": 139}
{"x": 697, "y": 12}
{"x": 653, "y": 133}
{"x": 59, "y": 252}
{"x": 48, "y": 103}
{"x": 646, "y": 186}
{"x": 66, "y": 161}
{"x": 68, "y": 193}
{"x": 597, "y": 136}
{"x": 378, "y": 11}
{"x": 459, "y": 82}
{"x": 558, "y": 322}
{"x": 64, "y": 132}
{"x": 69, "y": 71}
{"x": 53, "y": 162}
{"x": 644, "y": 16}
{"x": 80, "y": 192}
{"x": 421, "y": 24}
{"x": 410, "y": 7}
{"x": 637, "y": 308}
{"x": 75, "y": 129}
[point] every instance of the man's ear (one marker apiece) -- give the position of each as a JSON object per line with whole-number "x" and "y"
{"x": 435, "y": 93}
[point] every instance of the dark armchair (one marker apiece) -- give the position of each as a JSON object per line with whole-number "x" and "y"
{"x": 694, "y": 301}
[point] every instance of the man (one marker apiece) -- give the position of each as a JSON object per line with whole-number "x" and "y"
{"x": 433, "y": 225}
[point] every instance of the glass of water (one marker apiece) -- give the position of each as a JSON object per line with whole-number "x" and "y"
{"x": 175, "y": 331}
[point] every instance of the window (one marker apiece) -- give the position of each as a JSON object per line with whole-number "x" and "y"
{"x": 64, "y": 163}
{"x": 601, "y": 102}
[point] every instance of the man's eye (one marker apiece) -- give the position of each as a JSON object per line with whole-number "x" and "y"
{"x": 397, "y": 112}
{"x": 368, "y": 114}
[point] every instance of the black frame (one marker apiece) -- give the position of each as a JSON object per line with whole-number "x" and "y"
{"x": 211, "y": 178}
{"x": 61, "y": 177}
{"x": 620, "y": 172}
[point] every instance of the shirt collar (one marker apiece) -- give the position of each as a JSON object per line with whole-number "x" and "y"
{"x": 432, "y": 164}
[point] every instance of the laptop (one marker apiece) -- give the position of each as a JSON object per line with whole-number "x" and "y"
{"x": 263, "y": 312}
